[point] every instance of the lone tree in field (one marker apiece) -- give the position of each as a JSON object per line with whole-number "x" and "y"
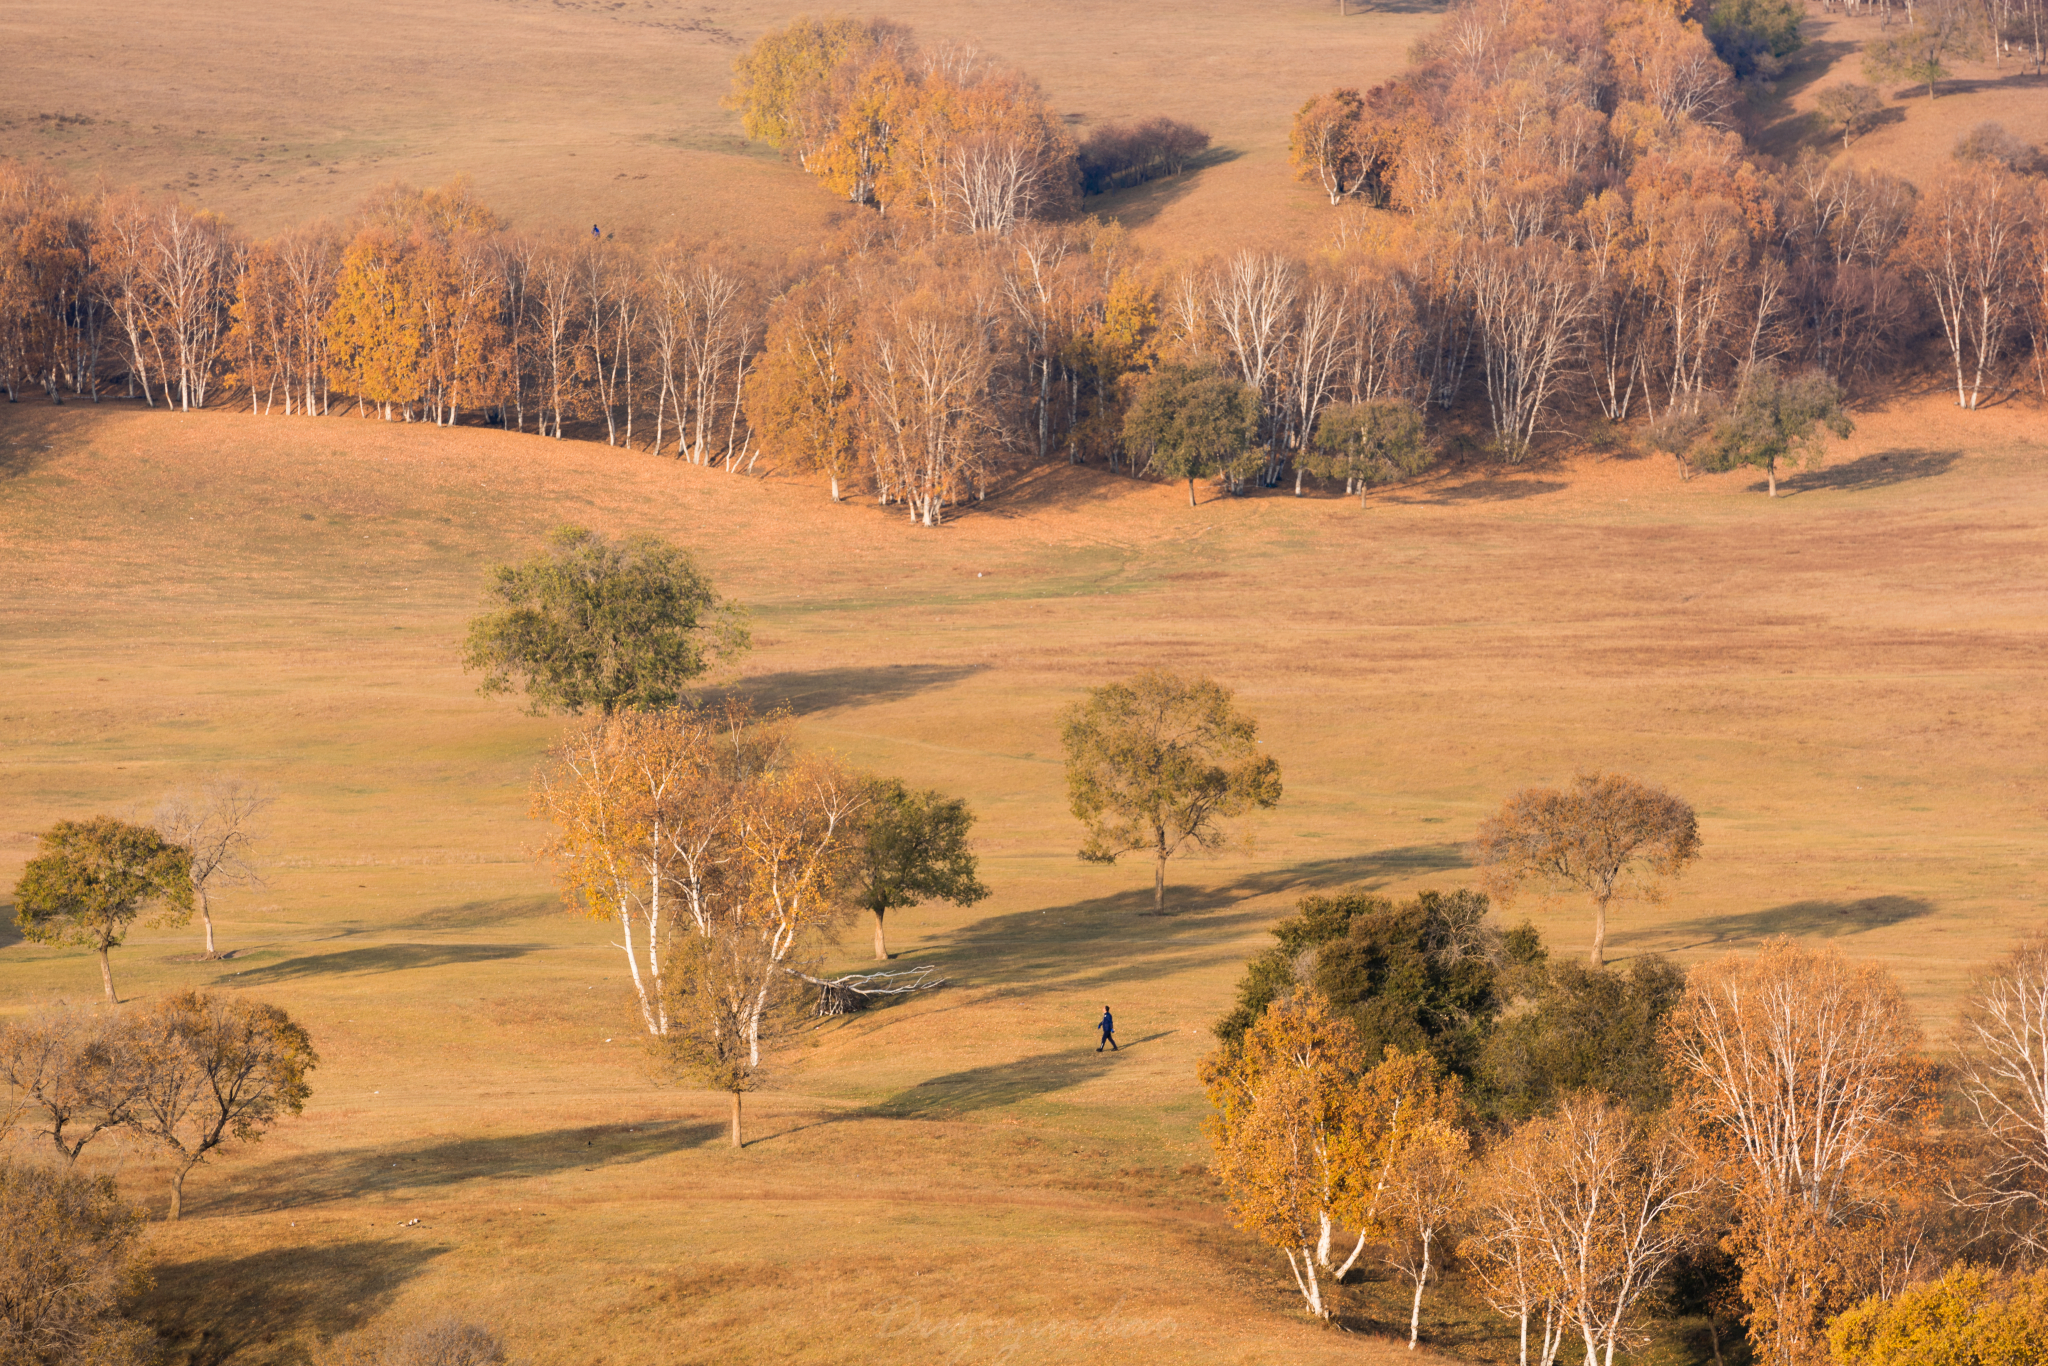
{"x": 595, "y": 624}
{"x": 915, "y": 850}
{"x": 75, "y": 1071}
{"x": 1194, "y": 422}
{"x": 213, "y": 827}
{"x": 1606, "y": 835}
{"x": 1158, "y": 763}
{"x": 726, "y": 998}
{"x": 70, "y": 1254}
{"x": 93, "y": 878}
{"x": 1776, "y": 417}
{"x": 1852, "y": 108}
{"x": 215, "y": 1069}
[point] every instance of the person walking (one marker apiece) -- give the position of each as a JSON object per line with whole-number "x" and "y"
{"x": 1108, "y": 1028}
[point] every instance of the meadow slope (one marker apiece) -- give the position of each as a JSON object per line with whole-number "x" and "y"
{"x": 1847, "y": 682}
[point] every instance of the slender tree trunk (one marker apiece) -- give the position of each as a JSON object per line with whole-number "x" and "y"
{"x": 1323, "y": 1242}
{"x": 633, "y": 963}
{"x": 736, "y": 1121}
{"x": 1771, "y": 475}
{"x": 1191, "y": 493}
{"x": 177, "y": 1193}
{"x": 1352, "y": 1260}
{"x": 107, "y": 976}
{"x": 1599, "y": 955}
{"x": 1524, "y": 1359}
{"x": 1158, "y": 880}
{"x": 206, "y": 918}
{"x": 1415, "y": 1309}
{"x": 1305, "y": 1280}
{"x": 881, "y": 946}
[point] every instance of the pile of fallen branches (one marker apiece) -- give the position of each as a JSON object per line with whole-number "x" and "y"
{"x": 860, "y": 990}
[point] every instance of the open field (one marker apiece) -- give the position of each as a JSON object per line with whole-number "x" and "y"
{"x": 1847, "y": 682}
{"x": 567, "y": 112}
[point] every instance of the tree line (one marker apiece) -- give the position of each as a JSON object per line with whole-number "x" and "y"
{"x": 1582, "y": 224}
{"x": 1548, "y": 216}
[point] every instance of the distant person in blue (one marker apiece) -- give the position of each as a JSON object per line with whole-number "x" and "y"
{"x": 594, "y": 232}
{"x": 1108, "y": 1028}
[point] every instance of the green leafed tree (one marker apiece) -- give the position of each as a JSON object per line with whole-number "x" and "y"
{"x": 1776, "y": 418}
{"x": 1158, "y": 763}
{"x": 91, "y": 879}
{"x": 1375, "y": 442}
{"x": 599, "y": 625}
{"x": 916, "y": 849}
{"x": 1193, "y": 422}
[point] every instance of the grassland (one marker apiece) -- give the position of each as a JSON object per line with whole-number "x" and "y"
{"x": 1847, "y": 681}
{"x": 567, "y": 112}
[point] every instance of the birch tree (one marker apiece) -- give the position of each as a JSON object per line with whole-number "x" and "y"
{"x": 215, "y": 826}
{"x": 1425, "y": 1195}
{"x": 2001, "y": 1060}
{"x": 1968, "y": 246}
{"x": 1801, "y": 1073}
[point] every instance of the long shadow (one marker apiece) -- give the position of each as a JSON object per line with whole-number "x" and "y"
{"x": 814, "y": 690}
{"x": 1110, "y": 941}
{"x": 1488, "y": 491}
{"x": 383, "y": 958}
{"x": 1802, "y": 920}
{"x": 480, "y": 915}
{"x": 435, "y": 1164}
{"x": 1877, "y": 470}
{"x": 10, "y": 932}
{"x": 1142, "y": 203}
{"x": 213, "y": 1309}
{"x": 25, "y": 445}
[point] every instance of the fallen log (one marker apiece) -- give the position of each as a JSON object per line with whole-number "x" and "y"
{"x": 861, "y": 990}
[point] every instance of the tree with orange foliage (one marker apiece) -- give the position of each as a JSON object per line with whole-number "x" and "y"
{"x": 800, "y": 404}
{"x": 1606, "y": 835}
{"x": 1968, "y": 245}
{"x": 1801, "y": 1075}
{"x": 1309, "y": 1135}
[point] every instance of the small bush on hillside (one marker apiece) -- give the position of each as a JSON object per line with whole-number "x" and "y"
{"x": 68, "y": 1257}
{"x": 1118, "y": 156}
{"x": 443, "y": 1341}
{"x": 1991, "y": 144}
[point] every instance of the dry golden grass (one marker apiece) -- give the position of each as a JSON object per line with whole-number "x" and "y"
{"x": 570, "y": 112}
{"x": 1846, "y": 681}
{"x": 1916, "y": 136}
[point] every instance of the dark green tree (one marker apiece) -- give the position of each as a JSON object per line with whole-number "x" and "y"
{"x": 603, "y": 625}
{"x": 1157, "y": 763}
{"x": 1754, "y": 37}
{"x": 1424, "y": 975}
{"x": 1376, "y": 442}
{"x": 1581, "y": 1028}
{"x": 915, "y": 850}
{"x": 1776, "y": 417}
{"x": 93, "y": 878}
{"x": 1193, "y": 421}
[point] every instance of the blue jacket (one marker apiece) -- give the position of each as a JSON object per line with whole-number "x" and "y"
{"x": 1108, "y": 1026}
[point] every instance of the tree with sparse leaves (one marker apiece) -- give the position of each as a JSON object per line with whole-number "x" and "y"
{"x": 602, "y": 625}
{"x": 215, "y": 826}
{"x": 1158, "y": 763}
{"x": 70, "y": 1253}
{"x": 93, "y": 878}
{"x": 726, "y": 998}
{"x": 1607, "y": 835}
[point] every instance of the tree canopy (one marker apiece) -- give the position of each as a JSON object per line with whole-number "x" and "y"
{"x": 1607, "y": 835}
{"x": 1195, "y": 422}
{"x": 1158, "y": 762}
{"x": 92, "y": 879}
{"x": 915, "y": 849}
{"x": 1776, "y": 417}
{"x": 603, "y": 625}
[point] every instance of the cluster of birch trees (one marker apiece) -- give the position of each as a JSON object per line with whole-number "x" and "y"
{"x": 1804, "y": 1155}
{"x": 1568, "y": 196}
{"x": 1547, "y": 216}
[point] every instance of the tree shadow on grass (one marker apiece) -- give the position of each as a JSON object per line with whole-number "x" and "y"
{"x": 1880, "y": 469}
{"x": 215, "y": 1309}
{"x": 1801, "y": 920}
{"x": 1108, "y": 941}
{"x": 383, "y": 958}
{"x": 1487, "y": 490}
{"x": 814, "y": 690}
{"x": 10, "y": 932}
{"x": 432, "y": 1164}
{"x": 481, "y": 915}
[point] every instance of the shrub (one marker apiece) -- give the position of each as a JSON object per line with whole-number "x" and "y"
{"x": 1970, "y": 1317}
{"x": 1118, "y": 156}
{"x": 68, "y": 1257}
